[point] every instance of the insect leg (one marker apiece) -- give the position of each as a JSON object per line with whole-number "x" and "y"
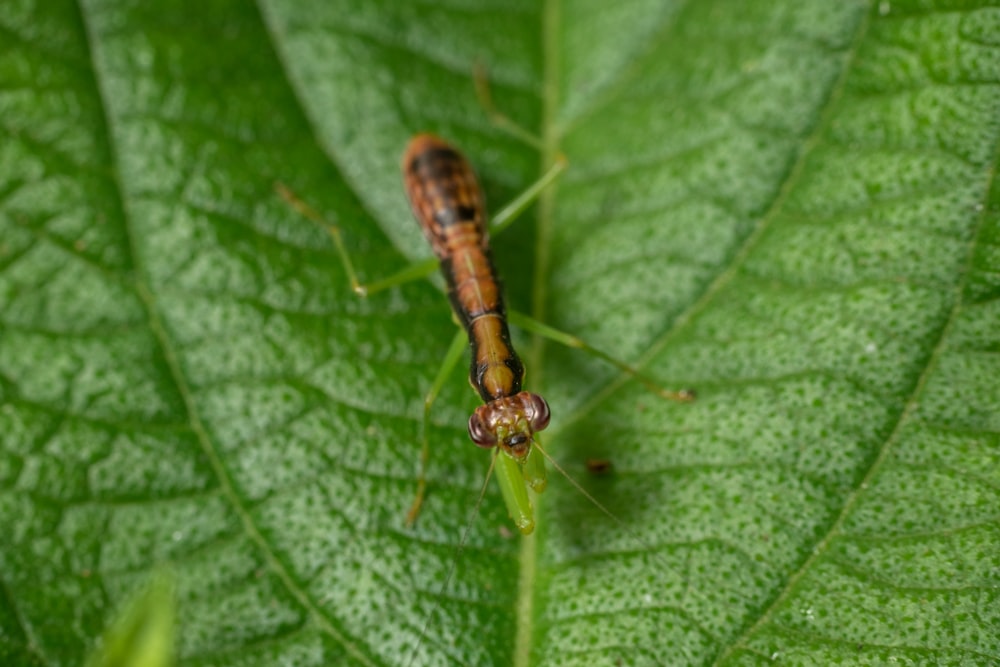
{"x": 451, "y": 359}
{"x": 506, "y": 216}
{"x": 407, "y": 274}
{"x": 532, "y": 325}
{"x": 510, "y": 479}
{"x": 480, "y": 78}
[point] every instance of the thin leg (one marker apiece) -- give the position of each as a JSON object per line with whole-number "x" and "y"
{"x": 458, "y": 345}
{"x": 509, "y": 213}
{"x": 410, "y": 273}
{"x": 501, "y": 221}
{"x": 534, "y": 326}
{"x": 498, "y": 118}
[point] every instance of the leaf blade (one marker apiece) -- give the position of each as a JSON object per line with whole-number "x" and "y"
{"x": 194, "y": 383}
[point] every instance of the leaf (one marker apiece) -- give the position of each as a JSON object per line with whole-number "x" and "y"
{"x": 790, "y": 206}
{"x": 144, "y": 635}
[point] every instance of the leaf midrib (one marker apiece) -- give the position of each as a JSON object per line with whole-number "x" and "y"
{"x": 528, "y": 554}
{"x": 686, "y": 317}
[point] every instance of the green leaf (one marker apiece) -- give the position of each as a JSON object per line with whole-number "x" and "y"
{"x": 791, "y": 206}
{"x": 144, "y": 635}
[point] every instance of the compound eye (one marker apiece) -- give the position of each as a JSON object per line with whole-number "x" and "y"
{"x": 481, "y": 436}
{"x": 538, "y": 411}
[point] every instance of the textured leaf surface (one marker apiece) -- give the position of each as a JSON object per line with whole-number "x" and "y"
{"x": 790, "y": 205}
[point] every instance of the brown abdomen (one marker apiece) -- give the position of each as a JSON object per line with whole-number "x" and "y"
{"x": 448, "y": 204}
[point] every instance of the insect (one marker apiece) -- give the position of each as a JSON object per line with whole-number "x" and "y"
{"x": 598, "y": 466}
{"x": 448, "y": 203}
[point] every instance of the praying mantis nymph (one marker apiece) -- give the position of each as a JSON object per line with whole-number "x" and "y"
{"x": 448, "y": 203}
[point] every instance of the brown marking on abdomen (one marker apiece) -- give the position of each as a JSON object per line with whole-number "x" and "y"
{"x": 448, "y": 203}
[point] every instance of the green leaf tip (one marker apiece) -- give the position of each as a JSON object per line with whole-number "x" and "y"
{"x": 143, "y": 635}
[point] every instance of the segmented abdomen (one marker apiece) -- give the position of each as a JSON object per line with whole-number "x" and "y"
{"x": 448, "y": 203}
